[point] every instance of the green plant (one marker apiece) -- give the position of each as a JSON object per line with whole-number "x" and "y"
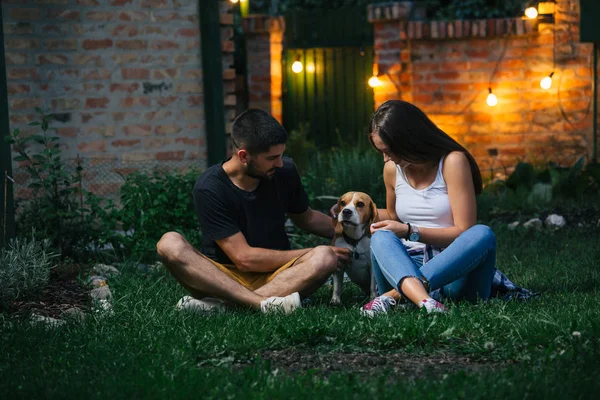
{"x": 152, "y": 204}
{"x": 24, "y": 267}
{"x": 57, "y": 210}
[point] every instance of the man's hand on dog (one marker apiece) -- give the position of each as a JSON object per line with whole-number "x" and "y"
{"x": 344, "y": 255}
{"x": 399, "y": 228}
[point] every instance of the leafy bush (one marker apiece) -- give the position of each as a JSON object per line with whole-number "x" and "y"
{"x": 531, "y": 189}
{"x": 152, "y": 204}
{"x": 24, "y": 267}
{"x": 337, "y": 171}
{"x": 58, "y": 210}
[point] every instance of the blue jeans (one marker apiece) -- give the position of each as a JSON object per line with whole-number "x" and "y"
{"x": 464, "y": 270}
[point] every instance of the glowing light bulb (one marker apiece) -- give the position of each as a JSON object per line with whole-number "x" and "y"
{"x": 531, "y": 12}
{"x": 374, "y": 81}
{"x": 310, "y": 67}
{"x": 297, "y": 67}
{"x": 491, "y": 100}
{"x": 546, "y": 82}
{"x": 234, "y": 1}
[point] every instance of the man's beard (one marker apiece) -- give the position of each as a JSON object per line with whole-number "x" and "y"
{"x": 253, "y": 172}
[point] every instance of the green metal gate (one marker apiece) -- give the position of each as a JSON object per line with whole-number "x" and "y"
{"x": 330, "y": 96}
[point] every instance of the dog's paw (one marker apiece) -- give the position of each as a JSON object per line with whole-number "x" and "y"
{"x": 335, "y": 302}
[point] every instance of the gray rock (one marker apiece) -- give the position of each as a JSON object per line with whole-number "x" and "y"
{"x": 513, "y": 225}
{"x": 74, "y": 313}
{"x": 97, "y": 281}
{"x": 103, "y": 269}
{"x": 48, "y": 321}
{"x": 554, "y": 221}
{"x": 534, "y": 223}
{"x": 101, "y": 293}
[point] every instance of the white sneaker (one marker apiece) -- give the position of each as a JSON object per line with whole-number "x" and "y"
{"x": 206, "y": 305}
{"x": 285, "y": 304}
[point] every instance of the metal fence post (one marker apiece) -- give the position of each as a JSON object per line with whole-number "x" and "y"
{"x": 7, "y": 210}
{"x": 212, "y": 75}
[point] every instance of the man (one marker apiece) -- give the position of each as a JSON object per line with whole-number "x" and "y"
{"x": 241, "y": 205}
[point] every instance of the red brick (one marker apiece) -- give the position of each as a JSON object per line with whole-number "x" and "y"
{"x": 65, "y": 104}
{"x": 61, "y": 44}
{"x": 135, "y": 101}
{"x": 101, "y": 102}
{"x": 167, "y": 129}
{"x": 98, "y": 146}
{"x": 170, "y": 155}
{"x": 157, "y": 115}
{"x": 192, "y": 87}
{"x": 100, "y": 16}
{"x": 87, "y": 59}
{"x": 163, "y": 44}
{"x": 138, "y": 130}
{"x": 195, "y": 101}
{"x": 123, "y": 59}
{"x": 124, "y": 87}
{"x": 190, "y": 141}
{"x": 17, "y": 88}
{"x": 188, "y": 32}
{"x": 67, "y": 132}
{"x": 119, "y": 3}
{"x": 125, "y": 143}
{"x": 135, "y": 16}
{"x": 25, "y": 14}
{"x": 20, "y": 28}
{"x": 135, "y": 73}
{"x": 167, "y": 100}
{"x": 25, "y": 104}
{"x": 167, "y": 73}
{"x": 124, "y": 30}
{"x": 16, "y": 58}
{"x": 70, "y": 15}
{"x": 96, "y": 44}
{"x": 156, "y": 143}
{"x": 22, "y": 43}
{"x": 96, "y": 74}
{"x": 22, "y": 119}
{"x": 88, "y": 2}
{"x": 155, "y": 3}
{"x": 59, "y": 59}
{"x": 131, "y": 44}
{"x": 122, "y": 116}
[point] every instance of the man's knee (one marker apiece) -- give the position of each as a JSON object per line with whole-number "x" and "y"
{"x": 325, "y": 256}
{"x": 170, "y": 246}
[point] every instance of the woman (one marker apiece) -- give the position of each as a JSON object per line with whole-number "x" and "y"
{"x": 429, "y": 240}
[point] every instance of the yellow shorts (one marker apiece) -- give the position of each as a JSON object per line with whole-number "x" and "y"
{"x": 251, "y": 280}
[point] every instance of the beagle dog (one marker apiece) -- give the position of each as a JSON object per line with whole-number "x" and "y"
{"x": 356, "y": 213}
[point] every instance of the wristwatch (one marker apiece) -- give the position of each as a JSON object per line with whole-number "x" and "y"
{"x": 414, "y": 234}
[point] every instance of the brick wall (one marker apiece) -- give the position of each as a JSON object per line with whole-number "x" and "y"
{"x": 124, "y": 75}
{"x": 446, "y": 69}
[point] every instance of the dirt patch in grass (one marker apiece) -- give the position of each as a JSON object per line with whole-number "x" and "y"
{"x": 53, "y": 300}
{"x": 367, "y": 364}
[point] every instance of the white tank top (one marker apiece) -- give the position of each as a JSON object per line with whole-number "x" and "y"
{"x": 428, "y": 207}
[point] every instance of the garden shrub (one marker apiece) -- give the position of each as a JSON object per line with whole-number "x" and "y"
{"x": 152, "y": 204}
{"x": 59, "y": 208}
{"x": 25, "y": 266}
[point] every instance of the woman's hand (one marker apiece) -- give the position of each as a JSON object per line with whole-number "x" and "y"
{"x": 399, "y": 228}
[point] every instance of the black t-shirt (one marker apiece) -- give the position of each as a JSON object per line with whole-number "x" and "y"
{"x": 223, "y": 209}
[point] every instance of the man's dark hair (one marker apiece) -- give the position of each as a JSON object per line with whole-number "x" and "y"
{"x": 256, "y": 131}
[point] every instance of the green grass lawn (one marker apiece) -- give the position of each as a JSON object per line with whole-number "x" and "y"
{"x": 548, "y": 347}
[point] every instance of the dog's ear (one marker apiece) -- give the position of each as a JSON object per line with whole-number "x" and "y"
{"x": 338, "y": 227}
{"x": 374, "y": 216}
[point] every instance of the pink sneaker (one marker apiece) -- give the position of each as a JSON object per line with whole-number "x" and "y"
{"x": 433, "y": 306}
{"x": 379, "y": 305}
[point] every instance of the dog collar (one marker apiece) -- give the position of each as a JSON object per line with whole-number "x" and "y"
{"x": 351, "y": 241}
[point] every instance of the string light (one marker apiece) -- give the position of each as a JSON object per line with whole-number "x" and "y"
{"x": 491, "y": 100}
{"x": 310, "y": 67}
{"x": 531, "y": 12}
{"x": 374, "y": 81}
{"x": 297, "y": 65}
{"x": 546, "y": 82}
{"x": 234, "y": 1}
